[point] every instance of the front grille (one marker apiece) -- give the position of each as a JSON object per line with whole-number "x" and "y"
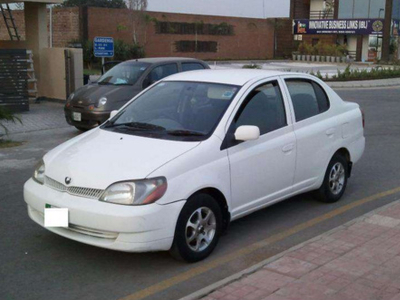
{"x": 74, "y": 190}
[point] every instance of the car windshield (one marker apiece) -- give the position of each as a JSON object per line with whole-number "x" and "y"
{"x": 176, "y": 110}
{"x": 124, "y": 74}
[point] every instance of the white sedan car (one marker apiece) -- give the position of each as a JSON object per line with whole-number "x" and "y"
{"x": 194, "y": 152}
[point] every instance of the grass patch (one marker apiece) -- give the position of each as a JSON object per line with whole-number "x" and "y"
{"x": 92, "y": 72}
{"x": 9, "y": 144}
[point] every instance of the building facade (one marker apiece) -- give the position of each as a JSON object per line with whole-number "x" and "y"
{"x": 369, "y": 29}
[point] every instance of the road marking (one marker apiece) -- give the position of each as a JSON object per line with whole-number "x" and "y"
{"x": 165, "y": 284}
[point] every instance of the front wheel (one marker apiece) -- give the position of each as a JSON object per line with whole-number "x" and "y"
{"x": 198, "y": 229}
{"x": 335, "y": 180}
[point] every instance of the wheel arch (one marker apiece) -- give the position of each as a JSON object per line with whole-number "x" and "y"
{"x": 221, "y": 201}
{"x": 346, "y": 154}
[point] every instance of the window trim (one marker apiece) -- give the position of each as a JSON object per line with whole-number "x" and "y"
{"x": 313, "y": 83}
{"x": 229, "y": 140}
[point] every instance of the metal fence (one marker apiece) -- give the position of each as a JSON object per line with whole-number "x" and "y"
{"x": 14, "y": 64}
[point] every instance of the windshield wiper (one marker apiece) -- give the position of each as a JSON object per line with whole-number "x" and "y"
{"x": 185, "y": 133}
{"x": 137, "y": 126}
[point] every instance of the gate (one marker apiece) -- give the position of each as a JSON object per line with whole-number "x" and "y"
{"x": 14, "y": 93}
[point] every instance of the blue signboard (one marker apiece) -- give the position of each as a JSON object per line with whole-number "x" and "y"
{"x": 344, "y": 26}
{"x": 103, "y": 47}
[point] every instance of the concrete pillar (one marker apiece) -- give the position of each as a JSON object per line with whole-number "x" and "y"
{"x": 386, "y": 30}
{"x": 36, "y": 34}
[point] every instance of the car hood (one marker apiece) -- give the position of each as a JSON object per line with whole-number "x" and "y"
{"x": 99, "y": 158}
{"x": 91, "y": 93}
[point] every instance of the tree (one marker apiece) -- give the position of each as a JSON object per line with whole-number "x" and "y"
{"x": 137, "y": 7}
{"x": 95, "y": 3}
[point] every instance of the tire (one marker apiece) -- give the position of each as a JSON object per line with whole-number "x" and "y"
{"x": 334, "y": 186}
{"x": 198, "y": 205}
{"x": 81, "y": 128}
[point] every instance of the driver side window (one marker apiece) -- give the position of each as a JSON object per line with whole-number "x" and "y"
{"x": 263, "y": 108}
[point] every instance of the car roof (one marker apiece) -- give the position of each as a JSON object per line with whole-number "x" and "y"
{"x": 154, "y": 60}
{"x": 228, "y": 76}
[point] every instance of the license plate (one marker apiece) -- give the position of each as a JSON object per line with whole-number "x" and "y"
{"x": 77, "y": 116}
{"x": 55, "y": 217}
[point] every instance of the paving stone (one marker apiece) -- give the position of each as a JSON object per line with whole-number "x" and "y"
{"x": 43, "y": 116}
{"x": 291, "y": 266}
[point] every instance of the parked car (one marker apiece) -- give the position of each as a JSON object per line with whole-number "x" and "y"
{"x": 90, "y": 106}
{"x": 194, "y": 152}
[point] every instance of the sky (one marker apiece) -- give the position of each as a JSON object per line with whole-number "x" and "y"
{"x": 230, "y": 8}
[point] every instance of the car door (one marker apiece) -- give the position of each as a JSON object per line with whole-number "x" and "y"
{"x": 315, "y": 128}
{"x": 262, "y": 170}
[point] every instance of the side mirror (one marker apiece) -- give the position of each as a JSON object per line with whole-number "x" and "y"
{"x": 247, "y": 133}
{"x": 113, "y": 114}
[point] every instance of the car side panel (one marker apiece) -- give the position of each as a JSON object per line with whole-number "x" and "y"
{"x": 205, "y": 166}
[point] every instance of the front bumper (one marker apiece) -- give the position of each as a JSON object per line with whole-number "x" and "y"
{"x": 117, "y": 227}
{"x": 90, "y": 119}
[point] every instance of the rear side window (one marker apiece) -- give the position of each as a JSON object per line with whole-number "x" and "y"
{"x": 163, "y": 71}
{"x": 191, "y": 67}
{"x": 308, "y": 98}
{"x": 263, "y": 108}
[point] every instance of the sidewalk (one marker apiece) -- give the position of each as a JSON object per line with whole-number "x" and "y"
{"x": 356, "y": 261}
{"x": 41, "y": 116}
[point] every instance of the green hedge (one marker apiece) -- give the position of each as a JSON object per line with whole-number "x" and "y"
{"x": 122, "y": 51}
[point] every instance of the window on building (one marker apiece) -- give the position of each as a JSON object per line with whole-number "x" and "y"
{"x": 349, "y": 9}
{"x": 194, "y": 28}
{"x": 377, "y": 9}
{"x": 193, "y": 46}
{"x": 361, "y": 8}
{"x": 346, "y": 9}
{"x": 308, "y": 98}
{"x": 263, "y": 108}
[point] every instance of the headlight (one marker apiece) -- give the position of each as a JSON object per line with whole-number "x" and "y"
{"x": 71, "y": 96}
{"x": 138, "y": 192}
{"x": 38, "y": 174}
{"x": 102, "y": 102}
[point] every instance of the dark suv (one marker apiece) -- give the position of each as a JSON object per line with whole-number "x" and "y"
{"x": 90, "y": 105}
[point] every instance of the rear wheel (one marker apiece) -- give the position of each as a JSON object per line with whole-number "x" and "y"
{"x": 335, "y": 180}
{"x": 198, "y": 229}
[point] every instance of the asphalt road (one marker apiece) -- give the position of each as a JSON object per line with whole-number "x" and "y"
{"x": 37, "y": 264}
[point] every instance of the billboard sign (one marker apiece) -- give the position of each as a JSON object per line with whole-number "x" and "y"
{"x": 344, "y": 26}
{"x": 103, "y": 46}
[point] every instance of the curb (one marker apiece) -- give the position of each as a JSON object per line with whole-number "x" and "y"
{"x": 378, "y": 83}
{"x": 211, "y": 288}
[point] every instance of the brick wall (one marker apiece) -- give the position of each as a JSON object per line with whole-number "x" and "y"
{"x": 65, "y": 25}
{"x": 20, "y": 22}
{"x": 253, "y": 38}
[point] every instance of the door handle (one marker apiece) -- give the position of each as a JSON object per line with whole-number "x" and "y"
{"x": 330, "y": 131}
{"x": 288, "y": 148}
